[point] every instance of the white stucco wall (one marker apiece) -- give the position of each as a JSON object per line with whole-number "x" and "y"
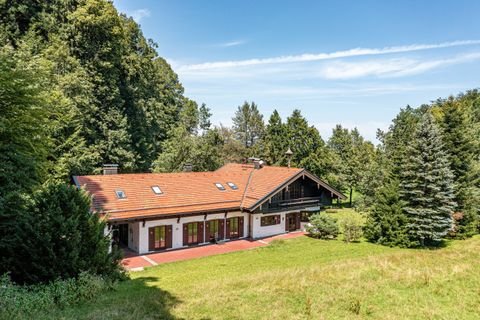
{"x": 177, "y": 231}
{"x": 259, "y": 232}
{"x": 133, "y": 232}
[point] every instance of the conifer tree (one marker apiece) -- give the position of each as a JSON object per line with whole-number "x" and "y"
{"x": 427, "y": 185}
{"x": 275, "y": 140}
{"x": 387, "y": 222}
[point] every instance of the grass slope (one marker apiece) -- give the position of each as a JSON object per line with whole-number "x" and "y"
{"x": 302, "y": 278}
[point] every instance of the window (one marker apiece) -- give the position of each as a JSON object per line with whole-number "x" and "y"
{"x": 213, "y": 229}
{"x": 159, "y": 239}
{"x": 156, "y": 190}
{"x": 120, "y": 194}
{"x": 269, "y": 220}
{"x": 192, "y": 232}
{"x": 232, "y": 185}
{"x": 220, "y": 186}
{"x": 234, "y": 228}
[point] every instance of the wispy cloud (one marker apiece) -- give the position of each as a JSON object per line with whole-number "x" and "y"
{"x": 233, "y": 43}
{"x": 139, "y": 14}
{"x": 325, "y": 56}
{"x": 390, "y": 67}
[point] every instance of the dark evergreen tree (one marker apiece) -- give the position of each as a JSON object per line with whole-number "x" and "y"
{"x": 387, "y": 222}
{"x": 459, "y": 131}
{"x": 426, "y": 185}
{"x": 61, "y": 237}
{"x": 275, "y": 141}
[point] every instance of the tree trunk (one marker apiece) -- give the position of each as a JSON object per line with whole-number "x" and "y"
{"x": 351, "y": 193}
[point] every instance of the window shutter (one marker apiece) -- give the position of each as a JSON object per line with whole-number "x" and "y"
{"x": 221, "y": 227}
{"x": 240, "y": 227}
{"x": 201, "y": 234}
{"x": 286, "y": 221}
{"x": 185, "y": 234}
{"x": 297, "y": 220}
{"x": 227, "y": 231}
{"x": 151, "y": 239}
{"x": 169, "y": 235}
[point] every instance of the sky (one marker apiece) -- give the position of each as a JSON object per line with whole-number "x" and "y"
{"x": 355, "y": 63}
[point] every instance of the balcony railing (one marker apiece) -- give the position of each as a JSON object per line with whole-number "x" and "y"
{"x": 292, "y": 204}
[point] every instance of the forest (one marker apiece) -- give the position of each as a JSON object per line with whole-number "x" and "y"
{"x": 80, "y": 86}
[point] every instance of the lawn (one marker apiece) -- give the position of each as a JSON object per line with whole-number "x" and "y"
{"x": 302, "y": 278}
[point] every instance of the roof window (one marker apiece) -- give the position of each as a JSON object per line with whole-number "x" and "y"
{"x": 220, "y": 186}
{"x": 232, "y": 185}
{"x": 156, "y": 190}
{"x": 120, "y": 194}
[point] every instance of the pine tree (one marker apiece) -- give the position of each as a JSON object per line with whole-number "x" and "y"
{"x": 387, "y": 222}
{"x": 275, "y": 140}
{"x": 427, "y": 185}
{"x": 459, "y": 131}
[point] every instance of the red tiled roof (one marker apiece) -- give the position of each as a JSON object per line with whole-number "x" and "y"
{"x": 184, "y": 192}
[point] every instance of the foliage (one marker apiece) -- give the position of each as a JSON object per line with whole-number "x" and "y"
{"x": 351, "y": 227}
{"x": 354, "y": 156}
{"x": 387, "y": 223}
{"x": 426, "y": 185}
{"x": 24, "y": 302}
{"x": 248, "y": 124}
{"x": 60, "y": 238}
{"x": 322, "y": 226}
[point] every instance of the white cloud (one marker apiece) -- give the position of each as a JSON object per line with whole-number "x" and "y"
{"x": 390, "y": 67}
{"x": 325, "y": 56}
{"x": 139, "y": 14}
{"x": 233, "y": 43}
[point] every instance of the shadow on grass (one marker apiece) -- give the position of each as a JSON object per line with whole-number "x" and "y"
{"x": 138, "y": 298}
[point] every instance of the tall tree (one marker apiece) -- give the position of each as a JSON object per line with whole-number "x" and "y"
{"x": 275, "y": 141}
{"x": 355, "y": 156}
{"x": 427, "y": 185}
{"x": 460, "y": 132}
{"x": 248, "y": 124}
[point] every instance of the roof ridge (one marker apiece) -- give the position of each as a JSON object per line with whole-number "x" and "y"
{"x": 246, "y": 187}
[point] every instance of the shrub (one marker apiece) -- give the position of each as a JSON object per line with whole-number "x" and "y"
{"x": 61, "y": 237}
{"x": 322, "y": 226}
{"x": 351, "y": 226}
{"x": 22, "y": 301}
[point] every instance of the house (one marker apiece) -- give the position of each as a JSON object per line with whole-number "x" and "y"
{"x": 160, "y": 211}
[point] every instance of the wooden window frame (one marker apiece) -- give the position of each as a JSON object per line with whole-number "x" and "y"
{"x": 270, "y": 220}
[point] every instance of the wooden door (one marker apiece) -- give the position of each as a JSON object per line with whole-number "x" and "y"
{"x": 240, "y": 227}
{"x": 297, "y": 220}
{"x": 193, "y": 233}
{"x": 159, "y": 237}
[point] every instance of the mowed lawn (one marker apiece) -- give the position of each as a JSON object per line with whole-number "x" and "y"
{"x": 302, "y": 278}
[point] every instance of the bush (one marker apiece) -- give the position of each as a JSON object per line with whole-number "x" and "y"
{"x": 322, "y": 226}
{"x": 17, "y": 301}
{"x": 351, "y": 226}
{"x": 60, "y": 237}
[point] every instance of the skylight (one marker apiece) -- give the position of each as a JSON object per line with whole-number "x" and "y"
{"x": 156, "y": 190}
{"x": 232, "y": 185}
{"x": 220, "y": 186}
{"x": 120, "y": 194}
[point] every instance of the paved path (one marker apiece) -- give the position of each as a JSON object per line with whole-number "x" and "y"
{"x": 135, "y": 263}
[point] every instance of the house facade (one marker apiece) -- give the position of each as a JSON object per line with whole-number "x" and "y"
{"x": 163, "y": 211}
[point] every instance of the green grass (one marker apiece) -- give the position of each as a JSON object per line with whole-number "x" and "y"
{"x": 301, "y": 278}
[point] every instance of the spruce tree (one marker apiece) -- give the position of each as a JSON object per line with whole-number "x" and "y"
{"x": 427, "y": 185}
{"x": 248, "y": 124}
{"x": 387, "y": 222}
{"x": 275, "y": 140}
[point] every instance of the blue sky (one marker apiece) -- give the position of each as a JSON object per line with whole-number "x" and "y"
{"x": 350, "y": 62}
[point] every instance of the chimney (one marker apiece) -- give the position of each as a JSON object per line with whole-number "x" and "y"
{"x": 258, "y": 164}
{"x": 110, "y": 169}
{"x": 187, "y": 167}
